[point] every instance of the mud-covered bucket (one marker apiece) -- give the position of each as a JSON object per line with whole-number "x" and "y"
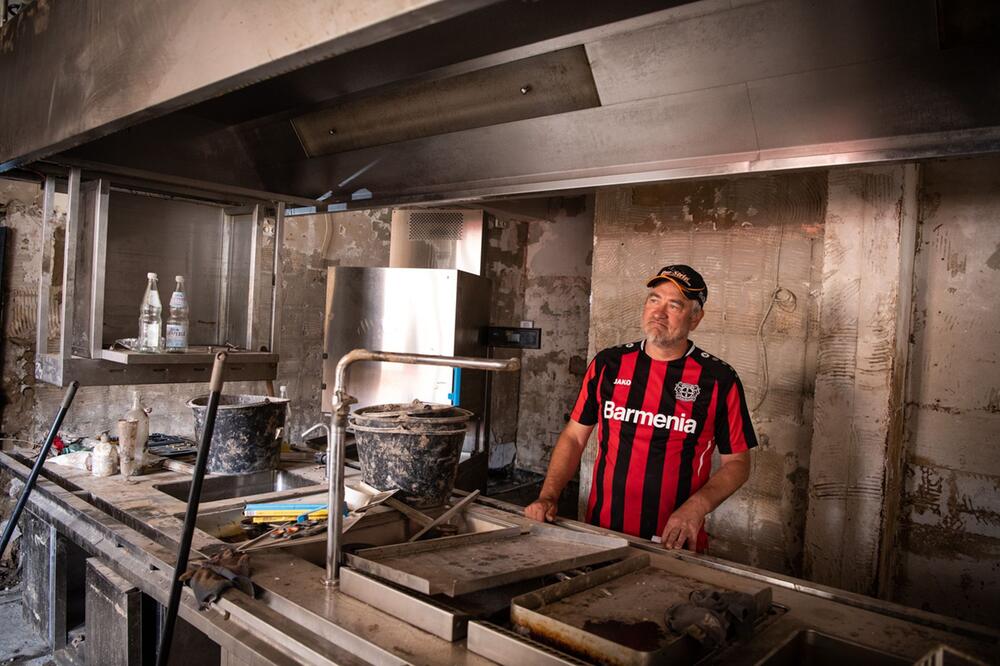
{"x": 246, "y": 436}
{"x": 415, "y": 447}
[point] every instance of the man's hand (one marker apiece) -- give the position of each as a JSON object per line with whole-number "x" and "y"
{"x": 684, "y": 524}
{"x": 542, "y": 509}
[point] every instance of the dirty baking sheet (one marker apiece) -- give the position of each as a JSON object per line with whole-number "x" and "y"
{"x": 483, "y": 561}
{"x": 616, "y": 615}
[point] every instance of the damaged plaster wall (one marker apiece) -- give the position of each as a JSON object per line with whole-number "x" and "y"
{"x": 949, "y": 533}
{"x": 557, "y": 300}
{"x": 870, "y": 226}
{"x": 313, "y": 243}
{"x": 735, "y": 232}
{"x": 539, "y": 265}
{"x": 504, "y": 261}
{"x": 358, "y": 238}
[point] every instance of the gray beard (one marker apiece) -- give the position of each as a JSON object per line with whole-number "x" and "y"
{"x": 655, "y": 337}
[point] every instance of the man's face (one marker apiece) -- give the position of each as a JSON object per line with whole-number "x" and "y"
{"x": 668, "y": 315}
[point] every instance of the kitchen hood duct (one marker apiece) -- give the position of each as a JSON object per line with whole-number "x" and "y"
{"x": 444, "y": 238}
{"x": 421, "y": 100}
{"x": 542, "y": 85}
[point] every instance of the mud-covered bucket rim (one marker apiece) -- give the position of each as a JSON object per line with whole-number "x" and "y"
{"x": 262, "y": 400}
{"x": 417, "y": 408}
{"x": 405, "y": 428}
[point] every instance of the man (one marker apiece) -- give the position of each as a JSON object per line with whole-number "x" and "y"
{"x": 662, "y": 405}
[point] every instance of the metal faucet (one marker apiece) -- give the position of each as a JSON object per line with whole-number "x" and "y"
{"x": 342, "y": 402}
{"x": 308, "y": 431}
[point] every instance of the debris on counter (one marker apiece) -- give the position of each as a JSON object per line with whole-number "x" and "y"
{"x": 77, "y": 459}
{"x": 710, "y": 616}
{"x": 208, "y": 579}
{"x": 104, "y": 458}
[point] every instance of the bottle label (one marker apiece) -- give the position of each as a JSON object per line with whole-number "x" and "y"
{"x": 176, "y": 336}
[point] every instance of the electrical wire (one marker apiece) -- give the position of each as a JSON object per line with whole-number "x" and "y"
{"x": 786, "y": 300}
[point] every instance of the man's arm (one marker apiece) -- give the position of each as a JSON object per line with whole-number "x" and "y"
{"x": 685, "y": 523}
{"x": 562, "y": 467}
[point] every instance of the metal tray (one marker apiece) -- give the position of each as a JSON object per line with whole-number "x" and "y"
{"x": 615, "y": 615}
{"x": 506, "y": 647}
{"x": 468, "y": 563}
{"x": 445, "y": 617}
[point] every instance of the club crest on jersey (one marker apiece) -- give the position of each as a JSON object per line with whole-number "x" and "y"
{"x": 680, "y": 423}
{"x": 686, "y": 392}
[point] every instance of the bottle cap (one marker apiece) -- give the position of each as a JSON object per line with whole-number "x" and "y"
{"x": 180, "y": 278}
{"x": 151, "y": 276}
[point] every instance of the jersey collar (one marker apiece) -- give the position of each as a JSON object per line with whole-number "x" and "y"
{"x": 642, "y": 346}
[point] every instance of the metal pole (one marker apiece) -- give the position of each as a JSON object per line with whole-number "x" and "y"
{"x": 194, "y": 497}
{"x": 33, "y": 476}
{"x": 342, "y": 401}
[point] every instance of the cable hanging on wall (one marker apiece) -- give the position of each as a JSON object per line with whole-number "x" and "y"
{"x": 786, "y": 301}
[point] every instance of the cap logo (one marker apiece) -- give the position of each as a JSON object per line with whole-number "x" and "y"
{"x": 678, "y": 275}
{"x": 686, "y": 392}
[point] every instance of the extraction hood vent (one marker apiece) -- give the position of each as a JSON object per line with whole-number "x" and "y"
{"x": 543, "y": 85}
{"x": 435, "y": 225}
{"x": 443, "y": 238}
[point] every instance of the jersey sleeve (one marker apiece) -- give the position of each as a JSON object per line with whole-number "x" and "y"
{"x": 586, "y": 408}
{"x": 733, "y": 429}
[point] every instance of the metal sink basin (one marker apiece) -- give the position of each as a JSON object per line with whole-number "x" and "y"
{"x": 237, "y": 485}
{"x": 811, "y": 648}
{"x": 379, "y": 527}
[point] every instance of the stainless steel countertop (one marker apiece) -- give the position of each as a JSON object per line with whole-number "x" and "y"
{"x": 134, "y": 528}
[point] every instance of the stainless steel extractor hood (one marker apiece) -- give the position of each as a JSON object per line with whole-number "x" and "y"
{"x": 432, "y": 101}
{"x": 437, "y": 238}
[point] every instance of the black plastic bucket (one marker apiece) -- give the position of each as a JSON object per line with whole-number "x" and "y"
{"x": 246, "y": 438}
{"x": 415, "y": 447}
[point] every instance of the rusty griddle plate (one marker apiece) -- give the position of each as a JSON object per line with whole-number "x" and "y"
{"x": 468, "y": 563}
{"x": 615, "y": 615}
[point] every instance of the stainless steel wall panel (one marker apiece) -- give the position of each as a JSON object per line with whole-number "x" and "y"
{"x": 409, "y": 310}
{"x": 92, "y": 82}
{"x": 169, "y": 238}
{"x": 759, "y": 40}
{"x": 948, "y": 91}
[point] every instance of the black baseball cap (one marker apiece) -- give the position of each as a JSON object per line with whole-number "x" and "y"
{"x": 687, "y": 279}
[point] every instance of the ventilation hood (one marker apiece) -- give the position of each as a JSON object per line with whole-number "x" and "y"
{"x": 361, "y": 104}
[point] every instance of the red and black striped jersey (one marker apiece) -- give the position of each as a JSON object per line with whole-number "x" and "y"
{"x": 657, "y": 424}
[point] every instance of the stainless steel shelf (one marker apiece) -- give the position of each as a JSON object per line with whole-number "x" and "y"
{"x": 153, "y": 369}
{"x": 200, "y": 355}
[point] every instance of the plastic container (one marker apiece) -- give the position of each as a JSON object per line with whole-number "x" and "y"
{"x": 415, "y": 447}
{"x": 246, "y": 437}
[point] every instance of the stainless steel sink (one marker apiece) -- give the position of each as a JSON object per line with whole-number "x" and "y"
{"x": 812, "y": 648}
{"x": 237, "y": 485}
{"x": 379, "y": 527}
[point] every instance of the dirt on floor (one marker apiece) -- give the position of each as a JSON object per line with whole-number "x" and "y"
{"x": 19, "y": 644}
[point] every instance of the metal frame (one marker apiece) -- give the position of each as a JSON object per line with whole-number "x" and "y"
{"x": 86, "y": 241}
{"x": 342, "y": 401}
{"x": 255, "y": 218}
{"x": 45, "y": 260}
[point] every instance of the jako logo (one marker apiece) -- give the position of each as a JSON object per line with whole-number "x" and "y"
{"x": 679, "y": 423}
{"x": 623, "y": 382}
